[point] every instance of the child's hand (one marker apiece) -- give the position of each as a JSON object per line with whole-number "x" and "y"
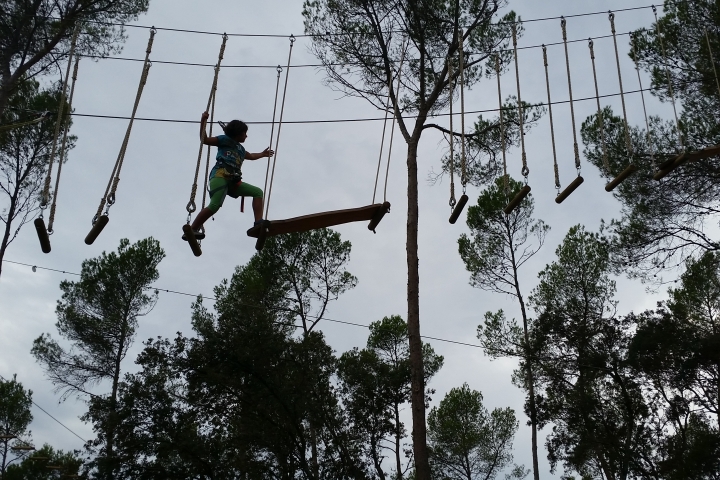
{"x": 268, "y": 153}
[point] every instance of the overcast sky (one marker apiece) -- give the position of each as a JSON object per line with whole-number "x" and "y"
{"x": 321, "y": 166}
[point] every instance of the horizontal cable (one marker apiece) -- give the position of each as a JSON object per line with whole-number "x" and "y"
{"x": 320, "y": 65}
{"x": 374, "y": 119}
{"x": 266, "y": 35}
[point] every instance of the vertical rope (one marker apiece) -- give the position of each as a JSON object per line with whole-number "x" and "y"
{"x": 502, "y": 126}
{"x": 382, "y": 146}
{"x": 63, "y": 146}
{"x": 563, "y": 24}
{"x": 642, "y": 96}
{"x": 712, "y": 59}
{"x": 272, "y": 126}
{"x": 525, "y": 170}
{"x": 61, "y": 108}
{"x": 109, "y": 196}
{"x": 277, "y": 140}
{"x": 601, "y": 119}
{"x": 463, "y": 159}
{"x": 392, "y": 132}
{"x": 552, "y": 126}
{"x": 191, "y": 206}
{"x": 207, "y": 157}
{"x": 628, "y": 142}
{"x": 667, "y": 75}
{"x": 453, "y": 201}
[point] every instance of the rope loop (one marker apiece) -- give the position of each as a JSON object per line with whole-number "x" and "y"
{"x": 191, "y": 207}
{"x": 611, "y": 16}
{"x": 525, "y": 170}
{"x": 279, "y": 70}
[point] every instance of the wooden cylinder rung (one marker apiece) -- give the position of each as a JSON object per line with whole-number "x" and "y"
{"x": 569, "y": 189}
{"x": 192, "y": 241}
{"x": 669, "y": 166}
{"x": 629, "y": 170}
{"x": 458, "y": 209}
{"x": 519, "y": 197}
{"x": 96, "y": 229}
{"x": 42, "y": 234}
{"x": 385, "y": 208}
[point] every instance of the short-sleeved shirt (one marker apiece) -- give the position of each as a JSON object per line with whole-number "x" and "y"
{"x": 229, "y": 158}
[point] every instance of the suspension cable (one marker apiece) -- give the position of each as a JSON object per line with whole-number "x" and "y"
{"x": 453, "y": 201}
{"x": 45, "y": 198}
{"x": 382, "y": 145}
{"x": 279, "y": 70}
{"x": 463, "y": 159}
{"x": 667, "y": 75}
{"x": 642, "y": 96}
{"x": 525, "y": 170}
{"x": 63, "y": 147}
{"x": 552, "y": 127}
{"x": 396, "y": 111}
{"x": 628, "y": 142}
{"x": 601, "y": 120}
{"x": 277, "y": 139}
{"x": 563, "y": 24}
{"x": 506, "y": 179}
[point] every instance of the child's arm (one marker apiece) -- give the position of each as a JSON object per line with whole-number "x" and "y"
{"x": 212, "y": 141}
{"x": 257, "y": 156}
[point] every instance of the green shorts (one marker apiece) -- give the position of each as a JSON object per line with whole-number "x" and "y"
{"x": 221, "y": 187}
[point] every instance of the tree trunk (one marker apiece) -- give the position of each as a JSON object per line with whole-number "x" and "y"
{"x": 8, "y": 229}
{"x": 528, "y": 364}
{"x": 417, "y": 374}
{"x": 398, "y": 461}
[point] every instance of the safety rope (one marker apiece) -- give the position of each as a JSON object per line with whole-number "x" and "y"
{"x": 552, "y": 127}
{"x": 392, "y": 132}
{"x": 109, "y": 196}
{"x": 628, "y": 142}
{"x": 277, "y": 139}
{"x": 463, "y": 159}
{"x": 191, "y": 206}
{"x": 63, "y": 146}
{"x": 667, "y": 75}
{"x": 207, "y": 158}
{"x": 642, "y": 96}
{"x": 525, "y": 170}
{"x": 13, "y": 126}
{"x": 382, "y": 145}
{"x": 712, "y": 59}
{"x": 453, "y": 201}
{"x": 272, "y": 125}
{"x": 502, "y": 127}
{"x": 563, "y": 24}
{"x": 45, "y": 198}
{"x": 601, "y": 119}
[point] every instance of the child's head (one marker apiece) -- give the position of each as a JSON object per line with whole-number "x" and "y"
{"x": 236, "y": 129}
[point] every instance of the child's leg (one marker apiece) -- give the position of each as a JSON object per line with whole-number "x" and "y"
{"x": 246, "y": 190}
{"x": 257, "y": 208}
{"x": 201, "y": 218}
{"x": 218, "y": 190}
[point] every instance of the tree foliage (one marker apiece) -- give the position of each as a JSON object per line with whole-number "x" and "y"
{"x": 35, "y": 35}
{"x": 470, "y": 443}
{"x": 15, "y": 418}
{"x": 24, "y": 155}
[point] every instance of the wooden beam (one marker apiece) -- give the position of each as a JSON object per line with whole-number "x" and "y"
{"x": 320, "y": 220}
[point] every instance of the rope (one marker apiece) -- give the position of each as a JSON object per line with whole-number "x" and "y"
{"x": 563, "y": 25}
{"x": 712, "y": 59}
{"x": 502, "y": 126}
{"x": 111, "y": 188}
{"x": 63, "y": 146}
{"x": 382, "y": 145}
{"x": 453, "y": 201}
{"x": 667, "y": 75}
{"x": 601, "y": 119}
{"x": 12, "y": 126}
{"x": 392, "y": 132}
{"x": 48, "y": 178}
{"x": 463, "y": 160}
{"x": 525, "y": 170}
{"x": 207, "y": 158}
{"x": 191, "y": 207}
{"x": 642, "y": 96}
{"x": 628, "y": 143}
{"x": 282, "y": 112}
{"x": 552, "y": 127}
{"x": 272, "y": 127}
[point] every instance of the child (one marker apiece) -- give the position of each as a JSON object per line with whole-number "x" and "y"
{"x": 225, "y": 175}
